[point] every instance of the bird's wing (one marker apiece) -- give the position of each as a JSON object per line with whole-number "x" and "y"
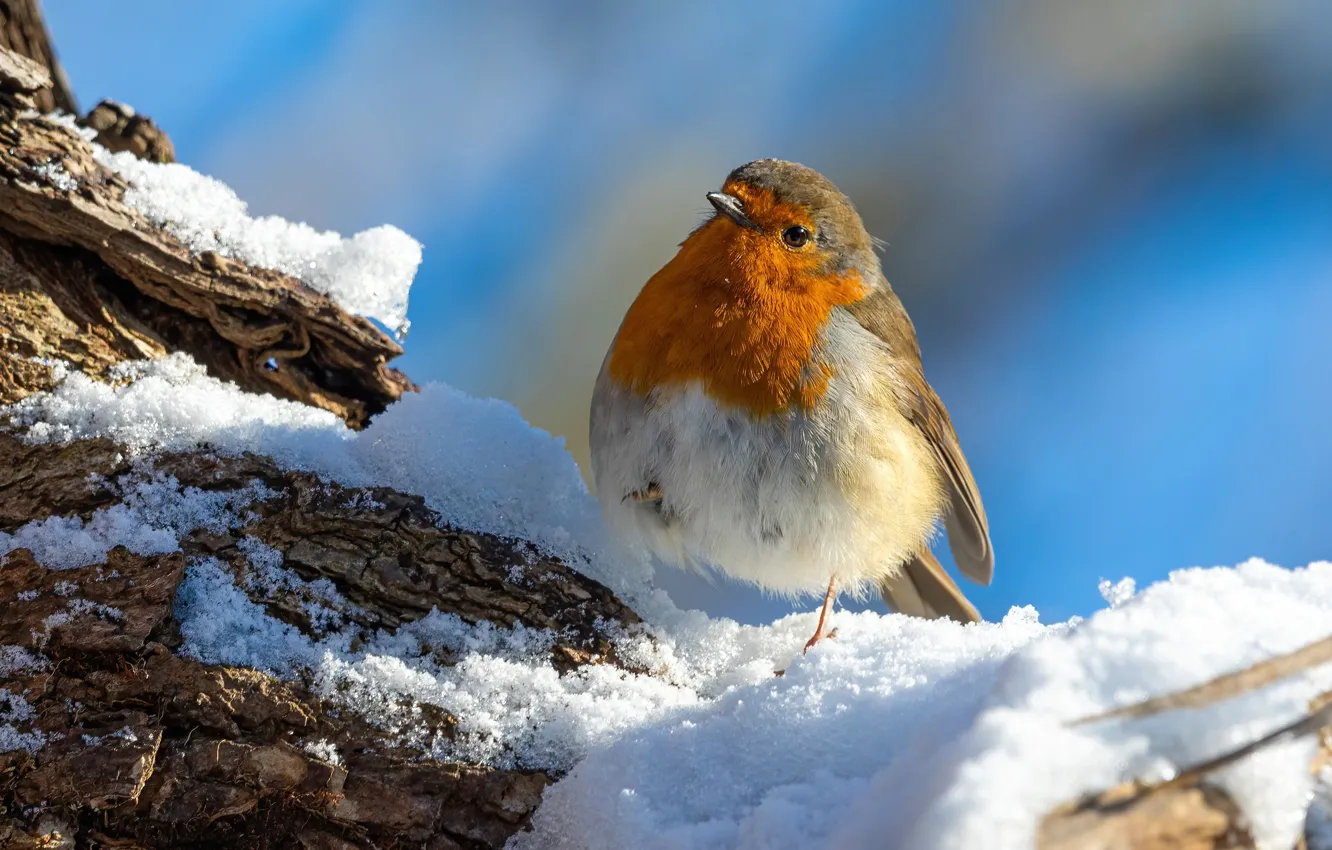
{"x": 882, "y": 314}
{"x": 924, "y": 589}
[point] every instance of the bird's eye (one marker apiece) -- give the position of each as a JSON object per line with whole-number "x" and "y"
{"x": 796, "y": 236}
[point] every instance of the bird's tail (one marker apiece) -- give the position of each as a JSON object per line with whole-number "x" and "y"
{"x": 924, "y": 589}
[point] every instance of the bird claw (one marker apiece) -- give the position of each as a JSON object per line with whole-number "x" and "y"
{"x": 817, "y": 637}
{"x": 808, "y": 644}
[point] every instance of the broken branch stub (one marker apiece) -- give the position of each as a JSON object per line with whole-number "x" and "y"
{"x": 120, "y": 128}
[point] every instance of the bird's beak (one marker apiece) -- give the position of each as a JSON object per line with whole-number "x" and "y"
{"x": 730, "y": 206}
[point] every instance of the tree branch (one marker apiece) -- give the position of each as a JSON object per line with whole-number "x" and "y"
{"x": 265, "y": 331}
{"x": 1224, "y": 687}
{"x": 23, "y": 31}
{"x": 1185, "y": 811}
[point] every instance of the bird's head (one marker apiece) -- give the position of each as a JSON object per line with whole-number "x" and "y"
{"x": 783, "y": 224}
{"x": 742, "y": 305}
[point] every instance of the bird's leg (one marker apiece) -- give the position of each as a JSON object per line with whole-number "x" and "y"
{"x": 823, "y": 616}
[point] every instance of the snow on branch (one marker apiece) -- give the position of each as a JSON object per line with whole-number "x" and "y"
{"x": 170, "y": 260}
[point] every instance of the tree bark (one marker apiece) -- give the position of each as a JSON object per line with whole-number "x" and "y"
{"x": 211, "y": 753}
{"x": 142, "y": 747}
{"x": 91, "y": 281}
{"x": 23, "y": 31}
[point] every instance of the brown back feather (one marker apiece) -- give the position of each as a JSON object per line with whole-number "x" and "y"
{"x": 882, "y": 314}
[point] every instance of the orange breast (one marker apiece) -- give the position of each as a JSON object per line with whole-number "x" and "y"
{"x": 736, "y": 312}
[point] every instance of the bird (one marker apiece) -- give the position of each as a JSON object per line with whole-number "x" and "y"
{"x": 762, "y": 411}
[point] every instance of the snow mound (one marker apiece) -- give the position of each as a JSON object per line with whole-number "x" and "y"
{"x": 900, "y": 732}
{"x": 475, "y": 461}
{"x": 903, "y": 733}
{"x": 368, "y": 274}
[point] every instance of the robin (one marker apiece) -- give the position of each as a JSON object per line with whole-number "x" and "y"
{"x": 763, "y": 410}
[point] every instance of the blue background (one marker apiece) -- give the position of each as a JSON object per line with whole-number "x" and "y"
{"x": 1112, "y": 223}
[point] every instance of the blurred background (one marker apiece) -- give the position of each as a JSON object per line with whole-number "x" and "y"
{"x": 1111, "y": 222}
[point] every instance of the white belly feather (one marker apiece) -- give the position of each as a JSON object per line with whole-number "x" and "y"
{"x": 784, "y": 501}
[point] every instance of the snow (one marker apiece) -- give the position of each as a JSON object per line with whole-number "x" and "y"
{"x": 56, "y": 174}
{"x": 899, "y": 732}
{"x": 368, "y": 274}
{"x": 323, "y": 750}
{"x": 319, "y": 599}
{"x": 15, "y": 658}
{"x": 13, "y": 707}
{"x": 917, "y": 733}
{"x": 494, "y": 474}
{"x": 514, "y": 709}
{"x": 154, "y": 515}
{"x": 1199, "y": 624}
{"x": 1117, "y": 593}
{"x": 905, "y": 733}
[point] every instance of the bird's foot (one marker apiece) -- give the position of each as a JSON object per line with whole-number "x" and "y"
{"x": 818, "y": 636}
{"x": 808, "y": 644}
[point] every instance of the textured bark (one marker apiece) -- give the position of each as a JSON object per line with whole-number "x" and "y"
{"x": 149, "y": 747}
{"x": 61, "y": 304}
{"x": 23, "y": 32}
{"x": 120, "y": 128}
{"x": 71, "y": 243}
{"x": 143, "y": 747}
{"x": 1200, "y": 817}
